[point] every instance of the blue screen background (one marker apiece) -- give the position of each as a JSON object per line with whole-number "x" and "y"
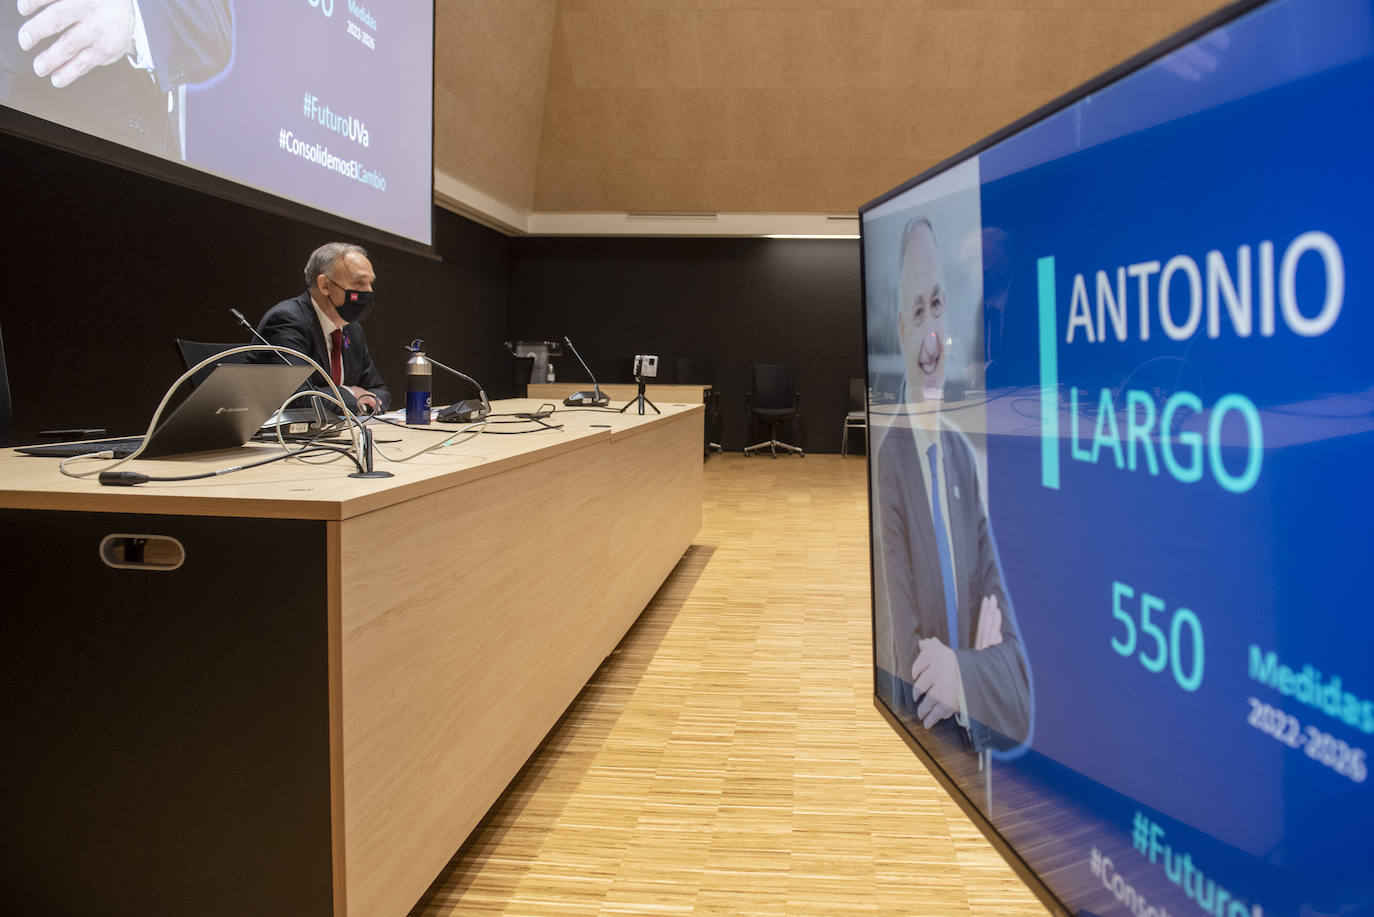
{"x": 1258, "y": 131}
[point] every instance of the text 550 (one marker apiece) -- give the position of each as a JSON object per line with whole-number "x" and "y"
{"x": 1180, "y": 650}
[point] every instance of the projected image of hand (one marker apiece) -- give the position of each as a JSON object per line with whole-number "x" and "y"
{"x": 87, "y": 34}
{"x": 935, "y": 674}
{"x": 989, "y": 624}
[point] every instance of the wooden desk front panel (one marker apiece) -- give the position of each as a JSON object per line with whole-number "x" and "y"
{"x": 438, "y": 623}
{"x": 165, "y": 733}
{"x": 472, "y": 617}
{"x": 656, "y": 511}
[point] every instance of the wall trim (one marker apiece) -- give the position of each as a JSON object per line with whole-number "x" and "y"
{"x": 452, "y": 193}
{"x": 456, "y": 195}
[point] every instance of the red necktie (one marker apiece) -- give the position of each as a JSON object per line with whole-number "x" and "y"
{"x": 336, "y": 355}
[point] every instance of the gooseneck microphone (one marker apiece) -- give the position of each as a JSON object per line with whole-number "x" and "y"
{"x": 594, "y": 397}
{"x": 262, "y": 340}
{"x": 316, "y": 412}
{"x": 462, "y": 411}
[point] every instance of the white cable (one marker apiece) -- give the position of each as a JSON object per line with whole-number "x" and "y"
{"x": 162, "y": 405}
{"x": 354, "y": 426}
{"x": 90, "y": 456}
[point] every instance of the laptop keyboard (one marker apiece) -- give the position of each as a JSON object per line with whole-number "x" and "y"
{"x": 121, "y": 447}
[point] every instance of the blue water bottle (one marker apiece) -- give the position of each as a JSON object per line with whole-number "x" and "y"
{"x": 419, "y": 384}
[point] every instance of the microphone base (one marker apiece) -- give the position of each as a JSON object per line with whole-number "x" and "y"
{"x": 587, "y": 399}
{"x": 462, "y": 412}
{"x": 372, "y": 474}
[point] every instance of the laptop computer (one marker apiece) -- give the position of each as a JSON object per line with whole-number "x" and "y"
{"x": 222, "y": 412}
{"x": 304, "y": 420}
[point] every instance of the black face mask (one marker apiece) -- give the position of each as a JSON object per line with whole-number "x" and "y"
{"x": 357, "y": 305}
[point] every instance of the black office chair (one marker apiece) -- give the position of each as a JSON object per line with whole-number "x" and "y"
{"x": 192, "y": 352}
{"x": 774, "y": 401}
{"x": 857, "y": 418}
{"x": 702, "y": 371}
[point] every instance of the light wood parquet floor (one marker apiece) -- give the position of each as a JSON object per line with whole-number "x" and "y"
{"x": 727, "y": 758}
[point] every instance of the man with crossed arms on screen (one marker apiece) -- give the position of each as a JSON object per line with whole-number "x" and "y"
{"x": 323, "y": 324}
{"x": 953, "y": 630}
{"x": 112, "y": 67}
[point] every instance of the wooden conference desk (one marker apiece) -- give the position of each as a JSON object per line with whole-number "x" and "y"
{"x": 621, "y": 392}
{"x": 313, "y": 711}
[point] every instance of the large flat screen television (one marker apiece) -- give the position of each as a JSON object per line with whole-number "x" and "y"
{"x": 1122, "y": 409}
{"x": 321, "y": 103}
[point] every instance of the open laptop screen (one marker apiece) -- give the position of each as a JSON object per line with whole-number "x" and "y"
{"x": 222, "y": 412}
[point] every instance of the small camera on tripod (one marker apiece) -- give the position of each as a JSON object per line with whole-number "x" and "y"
{"x": 646, "y": 365}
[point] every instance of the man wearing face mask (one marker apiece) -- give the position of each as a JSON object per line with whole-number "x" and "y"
{"x": 323, "y": 322}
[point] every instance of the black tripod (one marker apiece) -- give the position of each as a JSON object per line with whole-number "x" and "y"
{"x": 640, "y": 399}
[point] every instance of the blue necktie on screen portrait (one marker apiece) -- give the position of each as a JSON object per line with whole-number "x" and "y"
{"x": 942, "y": 546}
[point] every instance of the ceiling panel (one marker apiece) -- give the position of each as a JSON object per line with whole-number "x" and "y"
{"x": 753, "y": 105}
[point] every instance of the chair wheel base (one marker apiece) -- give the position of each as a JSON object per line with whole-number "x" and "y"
{"x": 773, "y": 446}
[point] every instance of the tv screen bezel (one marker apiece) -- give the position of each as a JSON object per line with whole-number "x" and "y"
{"x": 1144, "y": 58}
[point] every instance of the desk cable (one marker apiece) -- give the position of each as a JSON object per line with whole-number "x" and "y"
{"x": 354, "y": 423}
{"x": 130, "y": 478}
{"x": 468, "y": 432}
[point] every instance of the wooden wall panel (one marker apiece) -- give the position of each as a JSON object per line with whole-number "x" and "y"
{"x": 491, "y": 60}
{"x": 804, "y": 105}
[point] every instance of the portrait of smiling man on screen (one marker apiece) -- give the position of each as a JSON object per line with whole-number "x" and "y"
{"x": 960, "y": 670}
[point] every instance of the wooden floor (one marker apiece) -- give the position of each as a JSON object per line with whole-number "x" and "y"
{"x": 727, "y": 759}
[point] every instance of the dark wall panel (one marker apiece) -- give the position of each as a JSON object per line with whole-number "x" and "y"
{"x": 104, "y": 268}
{"x": 738, "y": 301}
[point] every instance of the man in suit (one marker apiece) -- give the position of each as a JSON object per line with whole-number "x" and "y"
{"x": 112, "y": 67}
{"x": 323, "y": 323}
{"x": 956, "y": 650}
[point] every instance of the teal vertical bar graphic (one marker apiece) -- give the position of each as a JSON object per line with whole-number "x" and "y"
{"x": 1049, "y": 378}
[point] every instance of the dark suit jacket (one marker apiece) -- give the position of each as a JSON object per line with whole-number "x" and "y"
{"x": 293, "y": 323}
{"x": 190, "y": 40}
{"x": 996, "y": 680}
